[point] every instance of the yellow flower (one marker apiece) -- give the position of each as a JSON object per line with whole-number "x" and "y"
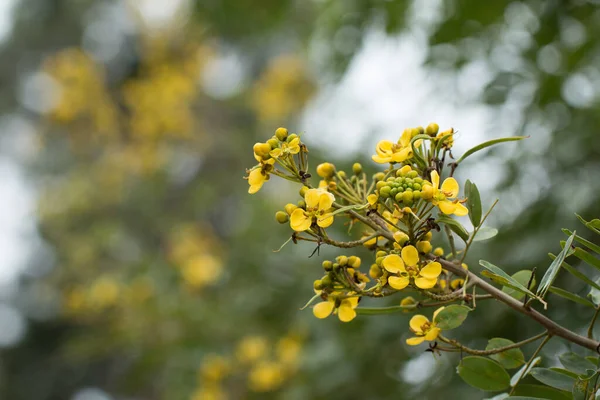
{"x": 251, "y": 348}
{"x": 259, "y": 175}
{"x": 318, "y": 206}
{"x": 442, "y": 198}
{"x": 406, "y": 269}
{"x": 372, "y": 199}
{"x": 345, "y": 311}
{"x": 266, "y": 376}
{"x": 447, "y": 137}
{"x": 326, "y": 170}
{"x": 293, "y": 147}
{"x": 423, "y": 329}
{"x": 388, "y": 152}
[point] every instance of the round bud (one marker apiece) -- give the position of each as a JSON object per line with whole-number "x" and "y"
{"x": 318, "y": 284}
{"x": 291, "y": 137}
{"x": 281, "y": 217}
{"x": 351, "y": 271}
{"x": 325, "y": 170}
{"x": 428, "y": 236}
{"x": 381, "y": 253}
{"x": 407, "y": 197}
{"x": 408, "y": 301}
{"x": 303, "y": 190}
{"x": 273, "y": 142}
{"x": 400, "y": 237}
{"x": 379, "y": 185}
{"x": 289, "y": 208}
{"x": 414, "y": 132}
{"x": 412, "y": 174}
{"x": 336, "y": 267}
{"x": 424, "y": 246}
{"x": 353, "y": 179}
{"x": 421, "y": 130}
{"x": 465, "y": 266}
{"x": 356, "y": 168}
{"x": 342, "y": 175}
{"x": 301, "y": 204}
{"x": 385, "y": 192}
{"x": 326, "y": 281}
{"x": 281, "y": 134}
{"x": 432, "y": 129}
{"x": 398, "y": 197}
{"x": 404, "y": 170}
{"x": 343, "y": 260}
{"x": 354, "y": 262}
{"x": 327, "y": 265}
{"x": 261, "y": 149}
{"x": 379, "y": 260}
{"x": 394, "y": 192}
{"x": 379, "y": 176}
{"x": 438, "y": 251}
{"x": 375, "y": 272}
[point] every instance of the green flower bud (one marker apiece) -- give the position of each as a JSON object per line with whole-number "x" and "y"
{"x": 303, "y": 190}
{"x": 424, "y": 246}
{"x": 281, "y": 134}
{"x": 301, "y": 204}
{"x": 432, "y": 129}
{"x": 281, "y": 217}
{"x": 393, "y": 192}
{"x": 354, "y": 262}
{"x": 379, "y": 260}
{"x": 379, "y": 176}
{"x": 356, "y": 168}
{"x": 407, "y": 197}
{"x": 291, "y": 137}
{"x": 353, "y": 179}
{"x": 274, "y": 143}
{"x": 418, "y": 180}
{"x": 343, "y": 260}
{"x": 336, "y": 267}
{"x": 289, "y": 208}
{"x": 412, "y": 174}
{"x": 416, "y": 186}
{"x": 398, "y": 197}
{"x": 327, "y": 265}
{"x": 414, "y": 132}
{"x": 385, "y": 192}
{"x": 416, "y": 195}
{"x": 318, "y": 284}
{"x": 326, "y": 281}
{"x": 375, "y": 272}
{"x": 381, "y": 253}
{"x": 262, "y": 149}
{"x": 420, "y": 130}
{"x": 380, "y": 184}
{"x": 342, "y": 175}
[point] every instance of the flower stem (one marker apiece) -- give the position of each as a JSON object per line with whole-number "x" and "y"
{"x": 492, "y": 351}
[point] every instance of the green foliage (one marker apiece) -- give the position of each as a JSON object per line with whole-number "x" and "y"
{"x": 488, "y": 144}
{"x": 552, "y": 271}
{"x": 473, "y": 202}
{"x": 524, "y": 278}
{"x": 499, "y": 276}
{"x": 483, "y": 373}
{"x": 555, "y": 379}
{"x": 509, "y": 359}
{"x": 452, "y": 316}
{"x": 455, "y": 226}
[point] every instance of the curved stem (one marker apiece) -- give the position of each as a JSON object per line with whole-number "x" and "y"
{"x": 492, "y": 351}
{"x": 552, "y": 327}
{"x": 590, "y": 331}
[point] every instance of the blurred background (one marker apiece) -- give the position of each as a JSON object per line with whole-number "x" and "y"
{"x": 133, "y": 263}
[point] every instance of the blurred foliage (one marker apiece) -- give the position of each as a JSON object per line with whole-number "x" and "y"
{"x": 164, "y": 267}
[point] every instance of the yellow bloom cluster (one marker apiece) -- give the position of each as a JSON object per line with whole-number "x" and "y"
{"x": 265, "y": 364}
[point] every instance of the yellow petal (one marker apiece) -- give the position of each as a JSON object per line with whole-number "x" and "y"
{"x": 405, "y": 170}
{"x": 447, "y": 207}
{"x": 410, "y": 255}
{"x": 294, "y": 149}
{"x": 405, "y": 138}
{"x": 460, "y": 210}
{"x": 275, "y": 152}
{"x": 323, "y": 309}
{"x": 415, "y": 341}
{"x": 256, "y": 177}
{"x": 394, "y": 264}
{"x": 325, "y": 220}
{"x": 398, "y": 282}
{"x": 351, "y": 301}
{"x": 435, "y": 314}
{"x": 424, "y": 283}
{"x": 381, "y": 160}
{"x": 416, "y": 323}
{"x": 450, "y": 187}
{"x": 312, "y": 197}
{"x": 427, "y": 191}
{"x": 372, "y": 199}
{"x": 299, "y": 221}
{"x": 346, "y": 313}
{"x": 326, "y": 199}
{"x": 295, "y": 142}
{"x": 384, "y": 147}
{"x": 435, "y": 179}
{"x": 432, "y": 334}
{"x": 431, "y": 270}
{"x": 403, "y": 154}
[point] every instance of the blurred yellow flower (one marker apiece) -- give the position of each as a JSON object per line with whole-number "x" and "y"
{"x": 103, "y": 293}
{"x": 266, "y": 376}
{"x": 214, "y": 368}
{"x": 201, "y": 270}
{"x": 251, "y": 348}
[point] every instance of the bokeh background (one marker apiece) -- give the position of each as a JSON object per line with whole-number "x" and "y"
{"x": 133, "y": 263}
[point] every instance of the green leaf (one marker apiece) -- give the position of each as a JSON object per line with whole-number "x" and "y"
{"x": 564, "y": 372}
{"x": 451, "y": 316}
{"x": 455, "y": 226}
{"x": 571, "y": 296}
{"x": 488, "y": 144}
{"x": 594, "y": 247}
{"x": 541, "y": 392}
{"x": 576, "y": 363}
{"x": 594, "y": 294}
{"x": 473, "y": 202}
{"x": 576, "y": 273}
{"x": 500, "y": 396}
{"x": 553, "y": 378}
{"x": 483, "y": 373}
{"x": 587, "y": 257}
{"x": 485, "y": 233}
{"x": 505, "y": 280}
{"x": 578, "y": 391}
{"x": 592, "y": 225}
{"x": 550, "y": 275}
{"x": 522, "y": 373}
{"x": 512, "y": 358}
{"x": 523, "y": 278}
{"x": 592, "y": 359}
{"x": 525, "y": 398}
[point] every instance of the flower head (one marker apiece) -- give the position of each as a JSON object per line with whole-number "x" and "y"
{"x": 423, "y": 329}
{"x": 344, "y": 308}
{"x": 259, "y": 175}
{"x": 443, "y": 197}
{"x": 285, "y": 148}
{"x": 318, "y": 208}
{"x": 406, "y": 269}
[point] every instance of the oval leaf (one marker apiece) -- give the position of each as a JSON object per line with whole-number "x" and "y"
{"x": 451, "y": 317}
{"x": 455, "y": 226}
{"x": 552, "y": 271}
{"x": 473, "y": 202}
{"x": 485, "y": 233}
{"x": 512, "y": 358}
{"x": 523, "y": 278}
{"x": 576, "y": 363}
{"x": 553, "y": 378}
{"x": 509, "y": 281}
{"x": 483, "y": 373}
{"x": 541, "y": 392}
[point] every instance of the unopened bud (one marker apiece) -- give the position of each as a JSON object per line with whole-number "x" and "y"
{"x": 356, "y": 168}
{"x": 273, "y": 142}
{"x": 289, "y": 208}
{"x": 303, "y": 190}
{"x": 281, "y": 217}
{"x": 327, "y": 265}
{"x": 281, "y": 134}
{"x": 326, "y": 170}
{"x": 378, "y": 176}
{"x": 424, "y": 246}
{"x": 438, "y": 251}
{"x": 400, "y": 237}
{"x": 354, "y": 262}
{"x": 432, "y": 129}
{"x": 261, "y": 149}
{"x": 375, "y": 272}
{"x": 291, "y": 137}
